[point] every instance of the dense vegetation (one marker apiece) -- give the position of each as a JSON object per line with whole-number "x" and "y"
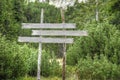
{"x": 96, "y": 56}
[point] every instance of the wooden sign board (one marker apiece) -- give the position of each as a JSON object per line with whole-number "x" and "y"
{"x": 48, "y": 25}
{"x": 59, "y": 33}
{"x": 45, "y": 40}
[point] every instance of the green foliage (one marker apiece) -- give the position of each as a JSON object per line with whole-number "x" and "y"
{"x": 15, "y": 59}
{"x": 71, "y": 72}
{"x": 50, "y": 67}
{"x": 55, "y": 68}
{"x": 18, "y": 10}
{"x": 102, "y": 39}
{"x": 83, "y": 13}
{"x": 115, "y": 12}
{"x": 42, "y": 78}
{"x": 32, "y": 12}
{"x": 45, "y": 65}
{"x": 97, "y": 68}
{"x": 19, "y": 60}
{"x": 10, "y": 18}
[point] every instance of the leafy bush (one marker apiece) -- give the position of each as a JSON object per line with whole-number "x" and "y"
{"x": 45, "y": 65}
{"x": 102, "y": 38}
{"x": 71, "y": 72}
{"x": 20, "y": 60}
{"x": 55, "y": 68}
{"x": 97, "y": 69}
{"x": 50, "y": 67}
{"x": 15, "y": 59}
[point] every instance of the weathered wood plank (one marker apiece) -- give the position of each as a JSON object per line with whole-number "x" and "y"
{"x": 48, "y": 25}
{"x": 59, "y": 33}
{"x": 45, "y": 40}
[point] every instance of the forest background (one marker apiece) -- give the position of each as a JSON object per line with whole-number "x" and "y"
{"x": 94, "y": 57}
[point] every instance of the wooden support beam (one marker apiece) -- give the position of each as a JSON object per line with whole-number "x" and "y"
{"x": 59, "y": 33}
{"x": 45, "y": 40}
{"x": 48, "y": 25}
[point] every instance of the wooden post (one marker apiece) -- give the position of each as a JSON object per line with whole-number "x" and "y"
{"x": 40, "y": 49}
{"x": 39, "y": 61}
{"x": 64, "y": 47}
{"x": 97, "y": 13}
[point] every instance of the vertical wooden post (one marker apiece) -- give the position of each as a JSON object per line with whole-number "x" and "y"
{"x": 39, "y": 61}
{"x": 64, "y": 47}
{"x": 97, "y": 13}
{"x": 40, "y": 49}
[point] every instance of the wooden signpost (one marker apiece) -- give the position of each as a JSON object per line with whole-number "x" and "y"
{"x": 40, "y": 39}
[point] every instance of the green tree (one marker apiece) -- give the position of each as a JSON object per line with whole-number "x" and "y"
{"x": 18, "y": 7}
{"x": 100, "y": 34}
{"x": 102, "y": 39}
{"x": 33, "y": 9}
{"x": 115, "y": 12}
{"x": 16, "y": 60}
{"x": 9, "y": 19}
{"x": 96, "y": 68}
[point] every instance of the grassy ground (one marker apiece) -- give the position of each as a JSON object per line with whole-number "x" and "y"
{"x": 43, "y": 78}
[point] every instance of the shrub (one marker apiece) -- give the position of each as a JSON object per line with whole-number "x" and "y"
{"x": 20, "y": 60}
{"x": 15, "y": 59}
{"x": 55, "y": 68}
{"x": 50, "y": 67}
{"x": 102, "y": 38}
{"x": 45, "y": 65}
{"x": 97, "y": 69}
